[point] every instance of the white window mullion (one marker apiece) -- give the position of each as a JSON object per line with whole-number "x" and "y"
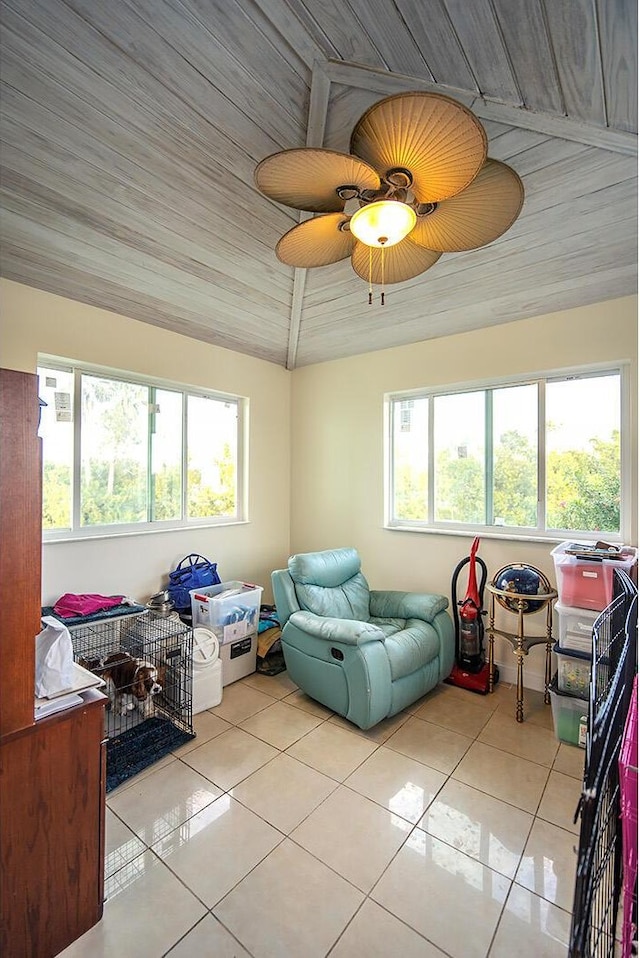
{"x": 77, "y": 441}
{"x": 488, "y": 457}
{"x": 431, "y": 480}
{"x": 185, "y": 458}
{"x": 542, "y": 456}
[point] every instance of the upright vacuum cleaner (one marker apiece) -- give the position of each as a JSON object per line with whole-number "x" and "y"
{"x": 470, "y": 670}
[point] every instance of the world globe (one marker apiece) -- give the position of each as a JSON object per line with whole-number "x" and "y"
{"x": 522, "y": 580}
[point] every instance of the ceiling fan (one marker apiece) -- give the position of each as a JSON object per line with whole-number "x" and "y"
{"x": 416, "y": 183}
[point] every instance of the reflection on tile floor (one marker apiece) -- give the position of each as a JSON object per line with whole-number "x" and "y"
{"x": 284, "y": 832}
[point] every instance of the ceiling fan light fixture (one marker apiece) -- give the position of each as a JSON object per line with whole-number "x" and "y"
{"x": 382, "y": 224}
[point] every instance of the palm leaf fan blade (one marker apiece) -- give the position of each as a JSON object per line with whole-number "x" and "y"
{"x": 437, "y": 139}
{"x": 316, "y": 242}
{"x": 477, "y": 216}
{"x": 392, "y": 265}
{"x": 308, "y": 179}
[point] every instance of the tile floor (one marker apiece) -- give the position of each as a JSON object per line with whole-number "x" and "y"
{"x": 282, "y": 831}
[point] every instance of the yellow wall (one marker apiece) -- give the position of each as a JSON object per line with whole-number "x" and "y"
{"x": 322, "y": 425}
{"x": 37, "y": 322}
{"x": 337, "y": 447}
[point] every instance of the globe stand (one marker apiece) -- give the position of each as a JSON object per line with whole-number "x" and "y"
{"x": 520, "y": 604}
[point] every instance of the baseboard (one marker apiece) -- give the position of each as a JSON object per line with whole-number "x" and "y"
{"x": 532, "y": 680}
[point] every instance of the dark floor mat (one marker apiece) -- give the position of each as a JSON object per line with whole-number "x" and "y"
{"x": 138, "y": 748}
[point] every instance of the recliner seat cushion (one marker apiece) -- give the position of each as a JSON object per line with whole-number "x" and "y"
{"x": 410, "y": 644}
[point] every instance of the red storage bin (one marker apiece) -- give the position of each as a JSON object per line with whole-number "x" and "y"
{"x": 585, "y": 583}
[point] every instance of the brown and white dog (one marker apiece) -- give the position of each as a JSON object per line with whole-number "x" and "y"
{"x": 131, "y": 683}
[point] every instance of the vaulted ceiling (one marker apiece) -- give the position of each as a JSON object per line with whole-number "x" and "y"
{"x": 131, "y": 130}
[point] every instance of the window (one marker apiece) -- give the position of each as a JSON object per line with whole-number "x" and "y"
{"x": 539, "y": 457}
{"x": 125, "y": 454}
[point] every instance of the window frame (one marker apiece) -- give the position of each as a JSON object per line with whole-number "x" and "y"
{"x": 150, "y": 526}
{"x": 541, "y": 533}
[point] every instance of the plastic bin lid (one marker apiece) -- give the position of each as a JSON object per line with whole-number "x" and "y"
{"x": 588, "y": 613}
{"x": 572, "y": 653}
{"x": 206, "y": 647}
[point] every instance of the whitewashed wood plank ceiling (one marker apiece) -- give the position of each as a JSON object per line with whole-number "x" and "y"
{"x": 130, "y": 132}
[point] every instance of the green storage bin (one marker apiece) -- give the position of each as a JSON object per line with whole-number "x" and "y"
{"x": 570, "y": 716}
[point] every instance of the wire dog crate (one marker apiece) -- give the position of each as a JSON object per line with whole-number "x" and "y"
{"x": 600, "y": 860}
{"x": 146, "y": 661}
{"x": 628, "y": 769}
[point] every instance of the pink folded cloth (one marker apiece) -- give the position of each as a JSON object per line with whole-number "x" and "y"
{"x": 69, "y": 604}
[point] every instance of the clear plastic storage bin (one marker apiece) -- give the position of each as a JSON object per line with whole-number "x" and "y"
{"x": 570, "y": 716}
{"x": 575, "y": 628}
{"x": 230, "y": 609}
{"x": 574, "y": 672}
{"x": 587, "y": 583}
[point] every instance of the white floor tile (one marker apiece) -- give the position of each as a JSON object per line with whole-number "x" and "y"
{"x": 277, "y": 686}
{"x": 560, "y": 800}
{"x": 206, "y": 726}
{"x": 146, "y": 912}
{"x": 379, "y": 733}
{"x": 290, "y": 906}
{"x": 438, "y": 747}
{"x": 239, "y": 701}
{"x": 217, "y": 847}
{"x": 532, "y": 742}
{"x": 453, "y": 712}
{"x": 570, "y": 761}
{"x": 450, "y": 899}
{"x": 121, "y": 845}
{"x": 284, "y": 792}
{"x": 375, "y": 933}
{"x": 332, "y": 751}
{"x": 303, "y": 701}
{"x": 209, "y": 938}
{"x": 230, "y": 757}
{"x": 511, "y": 779}
{"x": 531, "y": 928}
{"x": 548, "y": 864}
{"x": 280, "y": 725}
{"x": 479, "y": 825}
{"x": 155, "y": 805}
{"x": 352, "y": 835}
{"x": 398, "y": 783}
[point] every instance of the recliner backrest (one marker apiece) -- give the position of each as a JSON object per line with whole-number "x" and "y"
{"x": 330, "y": 583}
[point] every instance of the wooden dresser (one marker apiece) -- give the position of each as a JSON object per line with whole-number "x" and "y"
{"x": 52, "y": 773}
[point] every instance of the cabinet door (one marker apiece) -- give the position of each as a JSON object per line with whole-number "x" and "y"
{"x": 20, "y": 555}
{"x": 52, "y": 849}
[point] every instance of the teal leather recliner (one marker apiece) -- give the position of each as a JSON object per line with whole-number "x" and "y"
{"x": 365, "y": 654}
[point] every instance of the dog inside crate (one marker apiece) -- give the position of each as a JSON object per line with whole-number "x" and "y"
{"x": 146, "y": 664}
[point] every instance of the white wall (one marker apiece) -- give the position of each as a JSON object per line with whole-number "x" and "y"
{"x": 34, "y": 321}
{"x": 337, "y": 444}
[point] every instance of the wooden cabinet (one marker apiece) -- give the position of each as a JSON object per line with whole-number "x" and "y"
{"x": 52, "y": 773}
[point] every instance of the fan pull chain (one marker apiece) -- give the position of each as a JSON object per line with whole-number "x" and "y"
{"x": 382, "y": 276}
{"x": 370, "y": 270}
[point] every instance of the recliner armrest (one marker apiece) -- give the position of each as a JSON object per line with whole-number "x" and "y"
{"x": 406, "y": 605}
{"x": 345, "y": 631}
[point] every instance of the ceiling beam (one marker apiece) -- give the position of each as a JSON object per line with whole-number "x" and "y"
{"x": 318, "y": 103}
{"x": 380, "y": 81}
